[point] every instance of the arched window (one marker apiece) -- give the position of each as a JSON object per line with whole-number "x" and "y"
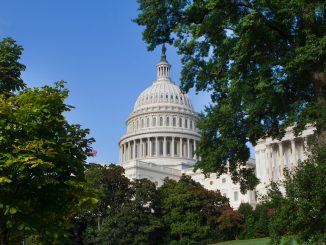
{"x": 142, "y": 123}
{"x": 137, "y": 124}
{"x": 161, "y": 121}
{"x": 180, "y": 122}
{"x": 147, "y": 124}
{"x": 167, "y": 121}
{"x": 154, "y": 121}
{"x": 174, "y": 122}
{"x": 186, "y": 123}
{"x": 191, "y": 124}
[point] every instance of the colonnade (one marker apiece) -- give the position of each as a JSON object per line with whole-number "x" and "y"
{"x": 158, "y": 147}
{"x": 279, "y": 155}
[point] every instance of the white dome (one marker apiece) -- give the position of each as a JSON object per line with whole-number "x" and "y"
{"x": 162, "y": 127}
{"x": 163, "y": 92}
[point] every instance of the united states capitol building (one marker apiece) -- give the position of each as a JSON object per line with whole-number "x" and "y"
{"x": 161, "y": 141}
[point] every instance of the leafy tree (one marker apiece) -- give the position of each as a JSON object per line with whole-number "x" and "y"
{"x": 230, "y": 224}
{"x": 10, "y": 68}
{"x": 301, "y": 212}
{"x": 190, "y": 212}
{"x": 263, "y": 63}
{"x": 261, "y": 220}
{"x": 113, "y": 189}
{"x": 137, "y": 221}
{"x": 247, "y": 213}
{"x": 42, "y": 157}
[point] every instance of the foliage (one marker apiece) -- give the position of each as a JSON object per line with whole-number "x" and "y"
{"x": 190, "y": 212}
{"x": 247, "y": 213}
{"x": 230, "y": 224}
{"x": 114, "y": 191}
{"x": 263, "y": 63}
{"x": 10, "y": 68}
{"x": 138, "y": 221}
{"x": 42, "y": 158}
{"x": 301, "y": 212}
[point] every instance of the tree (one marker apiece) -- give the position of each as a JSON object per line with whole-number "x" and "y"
{"x": 113, "y": 189}
{"x": 247, "y": 213}
{"x": 301, "y": 212}
{"x": 136, "y": 222}
{"x": 42, "y": 157}
{"x": 263, "y": 63}
{"x": 230, "y": 224}
{"x": 10, "y": 68}
{"x": 190, "y": 212}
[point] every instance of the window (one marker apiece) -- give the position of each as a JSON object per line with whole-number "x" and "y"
{"x": 224, "y": 180}
{"x": 161, "y": 121}
{"x": 174, "y": 122}
{"x": 191, "y": 123}
{"x": 180, "y": 122}
{"x": 236, "y": 196}
{"x": 168, "y": 148}
{"x": 224, "y": 194}
{"x": 147, "y": 124}
{"x": 154, "y": 121}
{"x": 186, "y": 123}
{"x": 137, "y": 124}
{"x": 211, "y": 182}
{"x": 142, "y": 123}
{"x": 167, "y": 121}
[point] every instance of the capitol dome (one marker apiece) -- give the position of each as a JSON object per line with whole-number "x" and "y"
{"x": 162, "y": 127}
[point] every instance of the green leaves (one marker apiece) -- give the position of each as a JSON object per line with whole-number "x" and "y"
{"x": 263, "y": 63}
{"x": 10, "y": 68}
{"x": 42, "y": 160}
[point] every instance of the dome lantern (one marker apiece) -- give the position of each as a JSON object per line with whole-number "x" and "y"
{"x": 163, "y": 68}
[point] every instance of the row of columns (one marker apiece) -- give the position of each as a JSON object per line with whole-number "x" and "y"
{"x": 158, "y": 147}
{"x": 273, "y": 157}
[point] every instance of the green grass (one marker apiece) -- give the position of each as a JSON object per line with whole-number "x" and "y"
{"x": 259, "y": 241}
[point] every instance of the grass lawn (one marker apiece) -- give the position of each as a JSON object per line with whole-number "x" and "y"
{"x": 259, "y": 241}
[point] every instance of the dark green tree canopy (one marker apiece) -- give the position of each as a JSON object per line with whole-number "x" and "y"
{"x": 263, "y": 62}
{"x": 10, "y": 68}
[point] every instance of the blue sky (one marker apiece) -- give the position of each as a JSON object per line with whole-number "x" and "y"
{"x": 96, "y": 48}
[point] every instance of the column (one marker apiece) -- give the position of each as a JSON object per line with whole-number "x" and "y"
{"x": 188, "y": 148}
{"x": 305, "y": 149}
{"x": 129, "y": 150}
{"x": 195, "y": 148}
{"x": 141, "y": 148}
{"x": 149, "y": 147}
{"x": 172, "y": 150}
{"x": 164, "y": 147}
{"x": 121, "y": 146}
{"x": 269, "y": 161}
{"x": 180, "y": 147}
{"x": 134, "y": 150}
{"x": 281, "y": 158}
{"x": 257, "y": 165}
{"x": 156, "y": 147}
{"x": 293, "y": 157}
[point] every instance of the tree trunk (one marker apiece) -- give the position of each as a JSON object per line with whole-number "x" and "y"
{"x": 319, "y": 78}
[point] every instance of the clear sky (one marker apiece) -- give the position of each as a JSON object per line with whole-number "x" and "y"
{"x": 96, "y": 48}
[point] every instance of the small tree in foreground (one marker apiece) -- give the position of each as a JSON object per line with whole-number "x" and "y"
{"x": 301, "y": 212}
